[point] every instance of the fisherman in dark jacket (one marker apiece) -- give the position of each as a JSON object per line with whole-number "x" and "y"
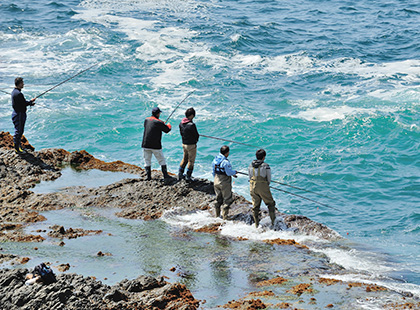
{"x": 152, "y": 136}
{"x": 259, "y": 183}
{"x": 190, "y": 137}
{"x": 19, "y": 104}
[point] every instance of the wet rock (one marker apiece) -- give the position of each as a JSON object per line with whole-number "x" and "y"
{"x": 58, "y": 231}
{"x": 329, "y": 282}
{"x": 115, "y": 295}
{"x": 252, "y": 304}
{"x": 63, "y": 267}
{"x": 286, "y": 242}
{"x": 300, "y": 289}
{"x": 278, "y": 280}
{"x": 212, "y": 228}
{"x": 72, "y": 291}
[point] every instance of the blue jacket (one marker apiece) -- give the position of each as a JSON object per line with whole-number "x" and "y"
{"x": 221, "y": 165}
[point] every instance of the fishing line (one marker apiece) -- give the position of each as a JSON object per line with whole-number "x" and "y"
{"x": 72, "y": 77}
{"x": 210, "y": 137}
{"x": 178, "y": 106}
{"x": 295, "y": 187}
{"x": 320, "y": 203}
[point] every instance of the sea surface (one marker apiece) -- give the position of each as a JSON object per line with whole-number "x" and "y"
{"x": 330, "y": 89}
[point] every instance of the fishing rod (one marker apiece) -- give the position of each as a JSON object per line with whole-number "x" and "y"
{"x": 295, "y": 187}
{"x": 72, "y": 77}
{"x": 228, "y": 140}
{"x": 320, "y": 203}
{"x": 178, "y": 106}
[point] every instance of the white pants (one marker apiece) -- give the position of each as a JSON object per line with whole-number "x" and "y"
{"x": 147, "y": 153}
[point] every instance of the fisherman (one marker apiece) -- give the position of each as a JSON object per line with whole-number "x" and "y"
{"x": 190, "y": 137}
{"x": 223, "y": 172}
{"x": 259, "y": 183}
{"x": 19, "y": 104}
{"x": 152, "y": 136}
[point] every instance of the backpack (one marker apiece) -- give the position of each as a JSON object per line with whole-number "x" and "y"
{"x": 47, "y": 275}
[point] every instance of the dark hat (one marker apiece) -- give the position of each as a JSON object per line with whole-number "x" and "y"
{"x": 156, "y": 110}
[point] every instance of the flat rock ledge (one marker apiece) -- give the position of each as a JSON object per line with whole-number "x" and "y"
{"x": 75, "y": 292}
{"x": 136, "y": 198}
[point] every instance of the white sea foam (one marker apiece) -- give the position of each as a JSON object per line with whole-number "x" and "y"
{"x": 369, "y": 268}
{"x": 235, "y": 37}
{"x": 234, "y": 229}
{"x": 389, "y": 283}
{"x": 327, "y": 114}
{"x": 357, "y": 260}
{"x": 129, "y": 5}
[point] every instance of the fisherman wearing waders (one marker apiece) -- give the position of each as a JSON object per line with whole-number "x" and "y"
{"x": 223, "y": 172}
{"x": 152, "y": 136}
{"x": 19, "y": 104}
{"x": 190, "y": 137}
{"x": 259, "y": 184}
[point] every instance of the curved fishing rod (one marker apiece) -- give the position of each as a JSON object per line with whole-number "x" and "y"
{"x": 300, "y": 196}
{"x": 178, "y": 106}
{"x": 295, "y": 187}
{"x": 72, "y": 77}
{"x": 3, "y": 91}
{"x": 228, "y": 140}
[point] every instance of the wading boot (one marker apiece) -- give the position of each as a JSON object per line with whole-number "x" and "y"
{"x": 18, "y": 150}
{"x": 272, "y": 214}
{"x": 148, "y": 173}
{"x": 181, "y": 173}
{"x": 166, "y": 177}
{"x": 225, "y": 213}
{"x": 257, "y": 218}
{"x": 188, "y": 177}
{"x": 217, "y": 208}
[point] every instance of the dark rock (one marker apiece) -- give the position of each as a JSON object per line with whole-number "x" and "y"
{"x": 72, "y": 291}
{"x": 115, "y": 295}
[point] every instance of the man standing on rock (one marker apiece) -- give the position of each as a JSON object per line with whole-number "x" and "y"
{"x": 152, "y": 136}
{"x": 259, "y": 183}
{"x": 19, "y": 104}
{"x": 190, "y": 137}
{"x": 223, "y": 172}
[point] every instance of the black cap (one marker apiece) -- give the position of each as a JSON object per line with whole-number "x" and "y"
{"x": 156, "y": 110}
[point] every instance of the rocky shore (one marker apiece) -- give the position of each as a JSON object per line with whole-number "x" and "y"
{"x": 72, "y": 291}
{"x": 135, "y": 198}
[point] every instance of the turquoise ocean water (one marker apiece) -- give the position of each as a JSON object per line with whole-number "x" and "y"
{"x": 330, "y": 89}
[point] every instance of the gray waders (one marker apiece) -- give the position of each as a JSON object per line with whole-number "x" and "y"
{"x": 224, "y": 196}
{"x": 260, "y": 190}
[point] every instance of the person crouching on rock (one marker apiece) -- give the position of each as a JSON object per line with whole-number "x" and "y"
{"x": 19, "y": 104}
{"x": 190, "y": 137}
{"x": 152, "y": 136}
{"x": 223, "y": 172}
{"x": 259, "y": 184}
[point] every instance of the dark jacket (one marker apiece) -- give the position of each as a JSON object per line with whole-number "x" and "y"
{"x": 152, "y": 135}
{"x": 19, "y": 102}
{"x": 188, "y": 131}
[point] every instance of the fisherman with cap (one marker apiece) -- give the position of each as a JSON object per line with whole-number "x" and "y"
{"x": 152, "y": 136}
{"x": 19, "y": 104}
{"x": 223, "y": 172}
{"x": 259, "y": 182}
{"x": 190, "y": 137}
